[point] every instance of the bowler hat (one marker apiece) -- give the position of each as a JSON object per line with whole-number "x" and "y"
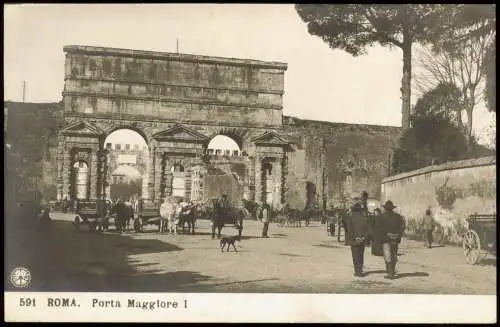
{"x": 389, "y": 205}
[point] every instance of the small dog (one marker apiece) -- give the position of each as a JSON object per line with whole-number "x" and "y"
{"x": 229, "y": 240}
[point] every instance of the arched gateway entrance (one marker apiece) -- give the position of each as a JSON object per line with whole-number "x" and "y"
{"x": 178, "y": 115}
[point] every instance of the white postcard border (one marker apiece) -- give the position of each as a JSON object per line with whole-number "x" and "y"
{"x": 230, "y": 307}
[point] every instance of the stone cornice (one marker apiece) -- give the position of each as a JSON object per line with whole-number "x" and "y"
{"x": 158, "y": 83}
{"x": 172, "y": 100}
{"x": 104, "y": 51}
{"x": 155, "y": 120}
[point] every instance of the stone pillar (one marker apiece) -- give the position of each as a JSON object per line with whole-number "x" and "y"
{"x": 284, "y": 178}
{"x": 66, "y": 171}
{"x": 157, "y": 177}
{"x": 60, "y": 166}
{"x": 145, "y": 180}
{"x": 277, "y": 178}
{"x": 94, "y": 173}
{"x": 151, "y": 174}
{"x": 258, "y": 178}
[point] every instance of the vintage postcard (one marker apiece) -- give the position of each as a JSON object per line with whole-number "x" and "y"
{"x": 250, "y": 163}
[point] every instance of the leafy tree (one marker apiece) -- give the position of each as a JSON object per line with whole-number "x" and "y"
{"x": 443, "y": 100}
{"x": 433, "y": 137}
{"x": 491, "y": 78}
{"x": 354, "y": 27}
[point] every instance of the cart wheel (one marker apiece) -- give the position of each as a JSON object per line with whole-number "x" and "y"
{"x": 472, "y": 247}
{"x": 137, "y": 225}
{"x": 281, "y": 222}
{"x": 77, "y": 223}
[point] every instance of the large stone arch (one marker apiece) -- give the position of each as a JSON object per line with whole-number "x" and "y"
{"x": 176, "y": 114}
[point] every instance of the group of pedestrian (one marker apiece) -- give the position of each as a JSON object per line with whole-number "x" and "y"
{"x": 384, "y": 232}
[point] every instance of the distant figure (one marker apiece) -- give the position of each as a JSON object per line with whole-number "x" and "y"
{"x": 121, "y": 214}
{"x": 428, "y": 224}
{"x": 356, "y": 236}
{"x": 167, "y": 213}
{"x": 265, "y": 219}
{"x": 65, "y": 205}
{"x": 376, "y": 242}
{"x": 44, "y": 220}
{"x": 391, "y": 231}
{"x": 364, "y": 202}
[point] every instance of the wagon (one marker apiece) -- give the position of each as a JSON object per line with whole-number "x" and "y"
{"x": 480, "y": 238}
{"x": 149, "y": 214}
{"x": 91, "y": 213}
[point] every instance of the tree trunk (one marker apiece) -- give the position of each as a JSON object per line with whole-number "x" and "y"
{"x": 406, "y": 84}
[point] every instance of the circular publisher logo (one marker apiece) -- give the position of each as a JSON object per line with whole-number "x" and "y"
{"x": 20, "y": 277}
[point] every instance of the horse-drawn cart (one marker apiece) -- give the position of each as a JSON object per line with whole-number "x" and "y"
{"x": 149, "y": 214}
{"x": 480, "y": 238}
{"x": 91, "y": 213}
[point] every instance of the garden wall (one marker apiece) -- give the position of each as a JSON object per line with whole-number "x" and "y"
{"x": 452, "y": 191}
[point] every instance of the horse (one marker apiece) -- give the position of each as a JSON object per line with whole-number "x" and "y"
{"x": 188, "y": 216}
{"x": 222, "y": 216}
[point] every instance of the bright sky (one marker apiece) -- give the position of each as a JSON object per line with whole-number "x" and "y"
{"x": 320, "y": 83}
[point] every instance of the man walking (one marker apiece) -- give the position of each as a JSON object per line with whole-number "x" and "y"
{"x": 428, "y": 226}
{"x": 265, "y": 219}
{"x": 392, "y": 227}
{"x": 356, "y": 236}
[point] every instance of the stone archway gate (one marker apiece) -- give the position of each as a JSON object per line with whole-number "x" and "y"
{"x": 178, "y": 103}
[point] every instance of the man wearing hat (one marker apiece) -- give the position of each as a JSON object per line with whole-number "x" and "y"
{"x": 392, "y": 227}
{"x": 356, "y": 236}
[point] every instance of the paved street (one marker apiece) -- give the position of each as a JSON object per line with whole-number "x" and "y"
{"x": 301, "y": 260}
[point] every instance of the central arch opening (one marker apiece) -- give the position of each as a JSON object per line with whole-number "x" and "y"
{"x": 222, "y": 145}
{"x": 228, "y": 170}
{"x": 127, "y": 161}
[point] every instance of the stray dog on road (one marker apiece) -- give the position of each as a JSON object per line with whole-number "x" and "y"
{"x": 228, "y": 240}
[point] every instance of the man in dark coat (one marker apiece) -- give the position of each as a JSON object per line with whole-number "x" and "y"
{"x": 120, "y": 210}
{"x": 356, "y": 236}
{"x": 391, "y": 229}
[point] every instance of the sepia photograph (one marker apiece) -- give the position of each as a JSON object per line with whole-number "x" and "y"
{"x": 248, "y": 151}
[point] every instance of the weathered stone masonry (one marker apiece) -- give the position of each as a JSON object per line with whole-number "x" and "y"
{"x": 178, "y": 103}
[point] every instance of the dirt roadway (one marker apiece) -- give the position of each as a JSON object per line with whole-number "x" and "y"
{"x": 299, "y": 260}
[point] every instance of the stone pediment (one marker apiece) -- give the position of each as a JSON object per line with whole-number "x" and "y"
{"x": 270, "y": 138}
{"x": 82, "y": 128}
{"x": 180, "y": 133}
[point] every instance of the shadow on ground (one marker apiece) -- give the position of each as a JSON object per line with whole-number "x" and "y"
{"x": 488, "y": 262}
{"x": 66, "y": 260}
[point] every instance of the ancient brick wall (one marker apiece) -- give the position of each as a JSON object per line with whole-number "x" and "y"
{"x": 452, "y": 190}
{"x": 323, "y": 146}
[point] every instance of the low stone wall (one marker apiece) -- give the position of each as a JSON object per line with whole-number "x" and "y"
{"x": 452, "y": 191}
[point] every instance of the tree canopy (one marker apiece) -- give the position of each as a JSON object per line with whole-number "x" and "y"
{"x": 354, "y": 27}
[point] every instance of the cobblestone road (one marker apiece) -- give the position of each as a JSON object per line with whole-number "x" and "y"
{"x": 300, "y": 260}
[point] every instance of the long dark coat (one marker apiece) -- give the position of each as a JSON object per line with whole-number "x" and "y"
{"x": 356, "y": 226}
{"x": 388, "y": 222}
{"x": 375, "y": 236}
